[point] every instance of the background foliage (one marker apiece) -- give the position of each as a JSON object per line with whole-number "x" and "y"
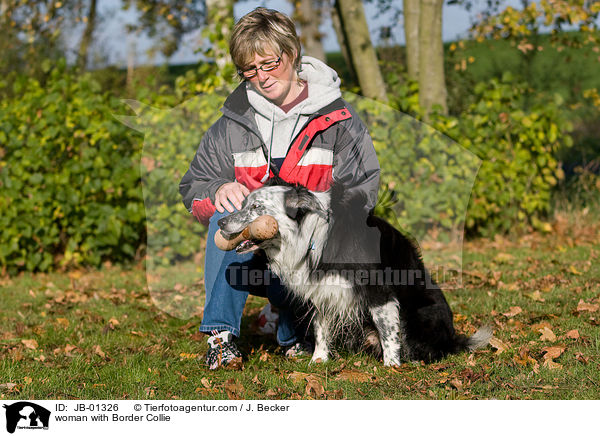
{"x": 69, "y": 176}
{"x": 84, "y": 180}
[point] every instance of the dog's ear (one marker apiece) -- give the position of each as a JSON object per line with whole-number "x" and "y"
{"x": 299, "y": 202}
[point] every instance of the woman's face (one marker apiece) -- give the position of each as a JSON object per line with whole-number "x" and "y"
{"x": 274, "y": 85}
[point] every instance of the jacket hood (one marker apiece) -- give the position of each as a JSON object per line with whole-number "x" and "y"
{"x": 323, "y": 89}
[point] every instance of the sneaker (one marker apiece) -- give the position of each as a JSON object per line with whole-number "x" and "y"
{"x": 299, "y": 349}
{"x": 223, "y": 352}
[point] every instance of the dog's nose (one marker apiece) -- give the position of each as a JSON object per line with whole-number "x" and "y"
{"x": 222, "y": 222}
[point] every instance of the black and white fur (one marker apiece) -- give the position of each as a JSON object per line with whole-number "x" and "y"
{"x": 322, "y": 237}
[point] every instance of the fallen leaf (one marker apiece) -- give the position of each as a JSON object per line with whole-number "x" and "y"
{"x": 582, "y": 306}
{"x": 554, "y": 351}
{"x": 27, "y": 380}
{"x": 457, "y": 384}
{"x": 581, "y": 358}
{"x": 498, "y": 345}
{"x": 7, "y": 386}
{"x": 30, "y": 343}
{"x": 504, "y": 257}
{"x": 524, "y": 358}
{"x": 335, "y": 395}
{"x": 188, "y": 356}
{"x": 536, "y": 296}
{"x": 551, "y": 364}
{"x": 264, "y": 356}
{"x": 234, "y": 389}
{"x": 297, "y": 376}
{"x": 206, "y": 383}
{"x": 353, "y": 376}
{"x": 574, "y": 271}
{"x": 547, "y": 335}
{"x": 572, "y": 334}
{"x": 514, "y": 310}
{"x": 314, "y": 388}
{"x": 99, "y": 352}
{"x": 69, "y": 348}
{"x": 63, "y": 322}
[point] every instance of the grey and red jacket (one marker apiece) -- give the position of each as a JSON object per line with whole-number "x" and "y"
{"x": 334, "y": 144}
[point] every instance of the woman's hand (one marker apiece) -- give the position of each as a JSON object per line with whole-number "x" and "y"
{"x": 228, "y": 194}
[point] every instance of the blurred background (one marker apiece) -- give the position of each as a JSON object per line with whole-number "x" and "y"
{"x": 485, "y": 115}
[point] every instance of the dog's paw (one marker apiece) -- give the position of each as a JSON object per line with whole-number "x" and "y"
{"x": 319, "y": 358}
{"x": 391, "y": 362}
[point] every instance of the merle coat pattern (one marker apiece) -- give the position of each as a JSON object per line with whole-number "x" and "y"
{"x": 325, "y": 249}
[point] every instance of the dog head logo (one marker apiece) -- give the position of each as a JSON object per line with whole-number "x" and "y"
{"x": 26, "y": 415}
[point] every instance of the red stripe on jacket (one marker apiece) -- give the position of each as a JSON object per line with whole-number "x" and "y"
{"x": 315, "y": 177}
{"x": 203, "y": 210}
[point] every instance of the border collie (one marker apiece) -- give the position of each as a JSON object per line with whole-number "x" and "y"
{"x": 365, "y": 280}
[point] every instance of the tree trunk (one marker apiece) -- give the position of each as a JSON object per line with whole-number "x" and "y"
{"x": 364, "y": 58}
{"x": 86, "y": 39}
{"x": 342, "y": 40}
{"x": 432, "y": 84}
{"x": 411, "y": 35}
{"x": 308, "y": 15}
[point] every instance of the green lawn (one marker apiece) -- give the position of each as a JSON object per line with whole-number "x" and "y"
{"x": 99, "y": 335}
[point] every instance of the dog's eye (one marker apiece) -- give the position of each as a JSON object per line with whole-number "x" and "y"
{"x": 254, "y": 206}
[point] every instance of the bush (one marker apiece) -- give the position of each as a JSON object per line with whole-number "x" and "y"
{"x": 69, "y": 176}
{"x": 171, "y": 137}
{"x": 518, "y": 148}
{"x": 506, "y": 137}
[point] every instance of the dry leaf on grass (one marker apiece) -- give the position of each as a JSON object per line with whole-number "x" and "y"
{"x": 457, "y": 384}
{"x": 314, "y": 388}
{"x": 99, "y": 352}
{"x": 264, "y": 356}
{"x": 536, "y": 296}
{"x": 498, "y": 345}
{"x": 353, "y": 376}
{"x": 64, "y": 322}
{"x": 572, "y": 334}
{"x": 552, "y": 353}
{"x": 30, "y": 343}
{"x": 581, "y": 358}
{"x": 582, "y": 306}
{"x": 335, "y": 395}
{"x": 547, "y": 334}
{"x": 504, "y": 257}
{"x": 7, "y": 386}
{"x": 514, "y": 311}
{"x": 234, "y": 389}
{"x": 297, "y": 376}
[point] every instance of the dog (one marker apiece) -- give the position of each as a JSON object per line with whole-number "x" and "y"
{"x": 364, "y": 280}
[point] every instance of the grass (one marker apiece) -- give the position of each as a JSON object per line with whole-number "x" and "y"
{"x": 99, "y": 334}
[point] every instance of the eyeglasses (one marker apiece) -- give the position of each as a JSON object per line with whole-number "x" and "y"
{"x": 267, "y": 66}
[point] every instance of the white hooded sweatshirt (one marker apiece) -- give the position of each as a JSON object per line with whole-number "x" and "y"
{"x": 279, "y": 128}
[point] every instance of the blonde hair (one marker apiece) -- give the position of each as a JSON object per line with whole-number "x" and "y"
{"x": 263, "y": 32}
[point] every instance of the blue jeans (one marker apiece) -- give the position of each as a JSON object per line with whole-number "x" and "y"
{"x": 229, "y": 278}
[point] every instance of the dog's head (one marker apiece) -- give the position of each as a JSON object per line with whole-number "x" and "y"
{"x": 290, "y": 205}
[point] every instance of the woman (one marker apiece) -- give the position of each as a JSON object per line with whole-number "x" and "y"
{"x": 286, "y": 119}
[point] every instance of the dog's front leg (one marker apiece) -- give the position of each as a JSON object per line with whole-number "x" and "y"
{"x": 321, "y": 330}
{"x": 387, "y": 321}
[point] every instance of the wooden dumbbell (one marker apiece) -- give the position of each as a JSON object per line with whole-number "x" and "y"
{"x": 262, "y": 228}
